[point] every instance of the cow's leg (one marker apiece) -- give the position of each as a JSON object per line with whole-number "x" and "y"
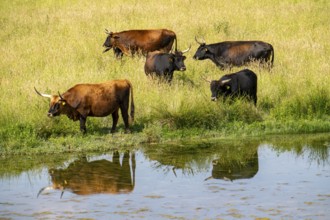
{"x": 82, "y": 120}
{"x": 255, "y": 100}
{"x": 115, "y": 158}
{"x": 118, "y": 53}
{"x": 115, "y": 118}
{"x": 126, "y": 176}
{"x": 124, "y": 114}
{"x": 169, "y": 77}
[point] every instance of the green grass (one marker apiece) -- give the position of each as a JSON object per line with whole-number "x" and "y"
{"x": 54, "y": 45}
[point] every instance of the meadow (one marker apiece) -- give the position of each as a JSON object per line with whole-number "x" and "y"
{"x": 53, "y": 45}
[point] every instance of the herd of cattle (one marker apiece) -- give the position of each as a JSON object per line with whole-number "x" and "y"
{"x": 103, "y": 99}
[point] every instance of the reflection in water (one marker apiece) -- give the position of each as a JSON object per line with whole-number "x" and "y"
{"x": 236, "y": 170}
{"x": 293, "y": 172}
{"x": 100, "y": 176}
{"x": 230, "y": 161}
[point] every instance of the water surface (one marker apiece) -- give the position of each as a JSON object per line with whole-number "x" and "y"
{"x": 249, "y": 179}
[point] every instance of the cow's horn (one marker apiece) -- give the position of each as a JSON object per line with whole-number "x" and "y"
{"x": 206, "y": 79}
{"x": 107, "y": 31}
{"x": 62, "y": 194}
{"x": 199, "y": 42}
{"x": 225, "y": 81}
{"x": 59, "y": 94}
{"x": 41, "y": 94}
{"x": 185, "y": 51}
{"x": 43, "y": 189}
{"x": 208, "y": 178}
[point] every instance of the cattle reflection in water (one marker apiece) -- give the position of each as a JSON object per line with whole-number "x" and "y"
{"x": 100, "y": 176}
{"x": 233, "y": 170}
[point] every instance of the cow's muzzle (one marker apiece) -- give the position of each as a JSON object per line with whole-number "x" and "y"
{"x": 51, "y": 115}
{"x": 183, "y": 68}
{"x": 106, "y": 49}
{"x": 214, "y": 99}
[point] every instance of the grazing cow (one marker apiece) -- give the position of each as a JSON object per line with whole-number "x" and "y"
{"x": 242, "y": 83}
{"x": 84, "y": 177}
{"x": 139, "y": 41}
{"x": 95, "y": 100}
{"x": 164, "y": 64}
{"x": 235, "y": 53}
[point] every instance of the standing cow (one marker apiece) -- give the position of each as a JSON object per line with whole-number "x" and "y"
{"x": 235, "y": 53}
{"x": 131, "y": 42}
{"x": 242, "y": 83}
{"x": 95, "y": 100}
{"x": 164, "y": 64}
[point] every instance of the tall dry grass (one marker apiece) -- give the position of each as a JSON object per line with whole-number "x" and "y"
{"x": 54, "y": 45}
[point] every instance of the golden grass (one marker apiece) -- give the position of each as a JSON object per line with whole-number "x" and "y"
{"x": 54, "y": 45}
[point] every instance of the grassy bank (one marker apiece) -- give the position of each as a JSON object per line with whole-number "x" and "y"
{"x": 54, "y": 45}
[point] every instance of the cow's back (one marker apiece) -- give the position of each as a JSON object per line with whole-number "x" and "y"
{"x": 98, "y": 99}
{"x": 240, "y": 52}
{"x": 246, "y": 79}
{"x": 152, "y": 60}
{"x": 147, "y": 40}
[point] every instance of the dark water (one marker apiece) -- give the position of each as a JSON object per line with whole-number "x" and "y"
{"x": 282, "y": 178}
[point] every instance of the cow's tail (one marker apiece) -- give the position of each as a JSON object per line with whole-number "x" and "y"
{"x": 272, "y": 54}
{"x": 132, "y": 102}
{"x": 176, "y": 43}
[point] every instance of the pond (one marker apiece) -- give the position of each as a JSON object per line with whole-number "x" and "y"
{"x": 277, "y": 178}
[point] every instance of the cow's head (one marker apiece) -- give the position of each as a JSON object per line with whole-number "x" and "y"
{"x": 203, "y": 51}
{"x": 58, "y": 105}
{"x": 109, "y": 41}
{"x": 177, "y": 58}
{"x": 219, "y": 87}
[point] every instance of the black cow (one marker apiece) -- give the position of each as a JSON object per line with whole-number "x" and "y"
{"x": 242, "y": 83}
{"x": 164, "y": 64}
{"x": 235, "y": 53}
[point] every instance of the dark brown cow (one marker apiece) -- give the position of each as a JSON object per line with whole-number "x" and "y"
{"x": 84, "y": 177}
{"x": 235, "y": 53}
{"x": 95, "y": 100}
{"x": 131, "y": 42}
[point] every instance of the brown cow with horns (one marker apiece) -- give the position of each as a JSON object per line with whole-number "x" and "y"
{"x": 131, "y": 42}
{"x": 95, "y": 100}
